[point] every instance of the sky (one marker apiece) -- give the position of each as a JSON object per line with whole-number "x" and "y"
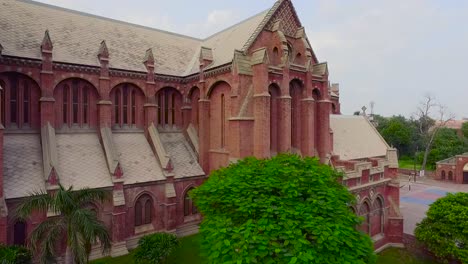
{"x": 390, "y": 52}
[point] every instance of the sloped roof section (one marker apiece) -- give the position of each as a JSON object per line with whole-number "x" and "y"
{"x": 137, "y": 159}
{"x": 22, "y": 165}
{"x": 76, "y": 38}
{"x": 354, "y": 137}
{"x": 82, "y": 161}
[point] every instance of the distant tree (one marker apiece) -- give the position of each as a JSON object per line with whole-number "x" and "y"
{"x": 280, "y": 210}
{"x": 399, "y": 133}
{"x": 465, "y": 129}
{"x": 446, "y": 144}
{"x": 74, "y": 221}
{"x": 444, "y": 230}
{"x": 428, "y": 126}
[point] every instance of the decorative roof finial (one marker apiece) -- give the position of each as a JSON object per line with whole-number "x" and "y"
{"x": 103, "y": 51}
{"x": 46, "y": 41}
{"x": 149, "y": 58}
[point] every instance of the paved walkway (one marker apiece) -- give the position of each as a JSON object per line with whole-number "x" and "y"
{"x": 415, "y": 202}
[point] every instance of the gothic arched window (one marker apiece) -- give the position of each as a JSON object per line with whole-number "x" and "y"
{"x": 77, "y": 97}
{"x": 20, "y": 101}
{"x": 143, "y": 210}
{"x": 189, "y": 206}
{"x": 127, "y": 100}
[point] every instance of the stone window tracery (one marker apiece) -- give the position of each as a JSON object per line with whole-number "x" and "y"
{"x": 143, "y": 210}
{"x": 189, "y": 206}
{"x": 169, "y": 103}
{"x": 126, "y": 99}
{"x": 19, "y": 101}
{"x": 75, "y": 97}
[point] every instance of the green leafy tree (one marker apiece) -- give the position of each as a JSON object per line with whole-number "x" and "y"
{"x": 14, "y": 255}
{"x": 398, "y": 132}
{"x": 446, "y": 144}
{"x": 445, "y": 229}
{"x": 280, "y": 210}
{"x": 465, "y": 129}
{"x": 155, "y": 248}
{"x": 74, "y": 220}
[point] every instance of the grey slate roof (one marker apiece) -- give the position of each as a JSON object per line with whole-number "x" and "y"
{"x": 76, "y": 38}
{"x": 81, "y": 161}
{"x": 136, "y": 158}
{"x": 182, "y": 155}
{"x": 354, "y": 137}
{"x": 22, "y": 165}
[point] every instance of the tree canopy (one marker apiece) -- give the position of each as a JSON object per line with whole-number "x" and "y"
{"x": 465, "y": 129}
{"x": 445, "y": 229}
{"x": 280, "y": 210}
{"x": 73, "y": 221}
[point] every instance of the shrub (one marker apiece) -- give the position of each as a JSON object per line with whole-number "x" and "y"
{"x": 444, "y": 231}
{"x": 14, "y": 255}
{"x": 280, "y": 210}
{"x": 155, "y": 248}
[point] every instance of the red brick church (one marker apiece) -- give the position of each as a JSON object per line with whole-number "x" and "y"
{"x": 88, "y": 101}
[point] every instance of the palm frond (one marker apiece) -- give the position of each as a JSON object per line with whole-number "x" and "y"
{"x": 86, "y": 196}
{"x": 44, "y": 237}
{"x": 93, "y": 230}
{"x": 40, "y": 201}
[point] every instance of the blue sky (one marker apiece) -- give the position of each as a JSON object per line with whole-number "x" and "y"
{"x": 392, "y": 52}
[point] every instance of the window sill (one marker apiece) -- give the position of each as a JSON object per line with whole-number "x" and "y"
{"x": 143, "y": 228}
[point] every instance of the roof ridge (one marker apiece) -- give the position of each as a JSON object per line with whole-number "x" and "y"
{"x": 106, "y": 18}
{"x": 235, "y": 25}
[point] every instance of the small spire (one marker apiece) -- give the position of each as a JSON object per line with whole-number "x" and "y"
{"x": 46, "y": 41}
{"x": 103, "y": 51}
{"x": 149, "y": 58}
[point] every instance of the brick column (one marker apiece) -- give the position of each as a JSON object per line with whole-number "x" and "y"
{"x": 261, "y": 104}
{"x": 284, "y": 125}
{"x": 150, "y": 105}
{"x": 324, "y": 141}
{"x": 170, "y": 204}
{"x": 204, "y": 133}
{"x": 47, "y": 82}
{"x": 308, "y": 127}
{"x": 105, "y": 104}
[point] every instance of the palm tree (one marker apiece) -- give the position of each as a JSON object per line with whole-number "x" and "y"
{"x": 79, "y": 224}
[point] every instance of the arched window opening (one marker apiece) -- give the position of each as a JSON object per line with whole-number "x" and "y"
{"x": 450, "y": 176}
{"x": 378, "y": 217}
{"x": 169, "y": 105}
{"x": 290, "y": 53}
{"x": 364, "y": 212}
{"x": 189, "y": 206}
{"x": 194, "y": 97}
{"x": 19, "y": 233}
{"x": 276, "y": 57}
{"x": 334, "y": 109}
{"x": 143, "y": 210}
{"x": 298, "y": 59}
{"x": 19, "y": 101}
{"x": 295, "y": 91}
{"x": 274, "y": 92}
{"x": 127, "y": 99}
{"x": 442, "y": 175}
{"x": 74, "y": 99}
{"x": 223, "y": 122}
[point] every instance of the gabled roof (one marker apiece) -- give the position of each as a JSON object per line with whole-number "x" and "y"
{"x": 354, "y": 137}
{"x": 77, "y": 37}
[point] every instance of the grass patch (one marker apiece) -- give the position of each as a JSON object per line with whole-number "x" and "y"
{"x": 409, "y": 164}
{"x": 401, "y": 255}
{"x": 189, "y": 252}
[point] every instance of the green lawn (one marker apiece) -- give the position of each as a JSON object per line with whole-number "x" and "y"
{"x": 189, "y": 250}
{"x": 409, "y": 164}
